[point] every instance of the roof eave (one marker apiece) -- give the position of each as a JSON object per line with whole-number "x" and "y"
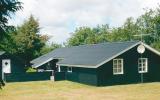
{"x": 150, "y": 48}
{"x": 72, "y": 65}
{"x": 42, "y": 63}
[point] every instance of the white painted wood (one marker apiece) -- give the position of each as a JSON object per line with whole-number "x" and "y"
{"x": 6, "y": 66}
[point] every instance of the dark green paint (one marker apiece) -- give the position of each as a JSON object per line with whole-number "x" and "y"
{"x": 23, "y": 77}
{"x": 58, "y": 76}
{"x": 131, "y": 74}
{"x": 18, "y": 73}
{"x": 82, "y": 75}
{"x": 103, "y": 75}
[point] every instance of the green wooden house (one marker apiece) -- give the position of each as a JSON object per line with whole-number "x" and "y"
{"x": 1, "y": 54}
{"x": 104, "y": 64}
{"x": 12, "y": 69}
{"x": 10, "y": 66}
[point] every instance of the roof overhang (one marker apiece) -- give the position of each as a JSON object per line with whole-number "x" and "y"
{"x": 2, "y": 52}
{"x": 35, "y": 66}
{"x": 72, "y": 65}
{"x": 40, "y": 64}
{"x": 151, "y": 49}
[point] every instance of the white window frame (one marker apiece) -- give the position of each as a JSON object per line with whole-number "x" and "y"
{"x": 143, "y": 65}
{"x": 69, "y": 69}
{"x": 116, "y": 66}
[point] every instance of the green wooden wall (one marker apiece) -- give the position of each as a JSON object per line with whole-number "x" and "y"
{"x": 24, "y": 77}
{"x": 131, "y": 75}
{"x": 81, "y": 75}
{"x": 103, "y": 75}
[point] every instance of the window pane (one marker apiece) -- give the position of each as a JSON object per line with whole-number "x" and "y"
{"x": 144, "y": 68}
{"x": 69, "y": 69}
{"x": 140, "y": 69}
{"x": 114, "y": 61}
{"x": 140, "y": 65}
{"x": 119, "y": 70}
{"x": 119, "y": 61}
{"x": 115, "y": 70}
{"x": 119, "y": 66}
{"x": 139, "y": 61}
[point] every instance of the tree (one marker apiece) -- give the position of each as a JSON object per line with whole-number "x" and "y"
{"x": 80, "y": 36}
{"x": 87, "y": 35}
{"x": 7, "y": 7}
{"x": 49, "y": 48}
{"x": 28, "y": 42}
{"x": 145, "y": 24}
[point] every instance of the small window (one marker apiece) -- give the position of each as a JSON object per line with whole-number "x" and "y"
{"x": 143, "y": 65}
{"x": 117, "y": 66}
{"x": 69, "y": 69}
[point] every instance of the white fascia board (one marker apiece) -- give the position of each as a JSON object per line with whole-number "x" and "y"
{"x": 151, "y": 49}
{"x": 83, "y": 66}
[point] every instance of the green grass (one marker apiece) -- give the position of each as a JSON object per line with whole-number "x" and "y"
{"x": 65, "y": 90}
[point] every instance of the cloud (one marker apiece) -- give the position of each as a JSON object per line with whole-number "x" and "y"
{"x": 61, "y": 17}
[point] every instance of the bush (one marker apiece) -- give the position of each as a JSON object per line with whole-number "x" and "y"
{"x": 30, "y": 69}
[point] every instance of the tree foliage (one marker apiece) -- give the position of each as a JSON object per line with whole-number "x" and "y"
{"x": 87, "y": 35}
{"x": 26, "y": 40}
{"x": 49, "y": 48}
{"x": 147, "y": 24}
{"x": 7, "y": 8}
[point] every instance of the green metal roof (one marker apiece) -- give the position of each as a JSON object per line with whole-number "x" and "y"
{"x": 91, "y": 56}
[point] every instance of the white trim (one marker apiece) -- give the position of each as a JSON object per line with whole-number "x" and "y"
{"x": 69, "y": 69}
{"x": 6, "y": 66}
{"x": 146, "y": 65}
{"x": 118, "y": 59}
{"x": 59, "y": 68}
{"x": 86, "y": 66}
{"x": 151, "y": 49}
{"x": 46, "y": 61}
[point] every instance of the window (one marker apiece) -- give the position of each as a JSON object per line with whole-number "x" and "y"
{"x": 143, "y": 65}
{"x": 117, "y": 66}
{"x": 69, "y": 69}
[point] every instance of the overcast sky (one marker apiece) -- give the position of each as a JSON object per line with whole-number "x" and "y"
{"x": 58, "y": 18}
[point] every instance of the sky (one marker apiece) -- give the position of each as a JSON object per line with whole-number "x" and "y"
{"x": 59, "y": 18}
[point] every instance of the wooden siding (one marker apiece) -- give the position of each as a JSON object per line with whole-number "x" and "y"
{"x": 81, "y": 75}
{"x": 131, "y": 74}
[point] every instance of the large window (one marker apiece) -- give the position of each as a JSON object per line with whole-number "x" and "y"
{"x": 69, "y": 69}
{"x": 117, "y": 66}
{"x": 143, "y": 65}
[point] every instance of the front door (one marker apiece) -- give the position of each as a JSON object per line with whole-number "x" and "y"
{"x": 6, "y": 66}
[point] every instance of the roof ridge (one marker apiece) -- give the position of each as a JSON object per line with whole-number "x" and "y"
{"x": 102, "y": 43}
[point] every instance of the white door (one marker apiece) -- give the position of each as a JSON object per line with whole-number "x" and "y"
{"x": 6, "y": 66}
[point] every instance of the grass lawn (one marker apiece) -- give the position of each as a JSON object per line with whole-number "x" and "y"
{"x": 65, "y": 90}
